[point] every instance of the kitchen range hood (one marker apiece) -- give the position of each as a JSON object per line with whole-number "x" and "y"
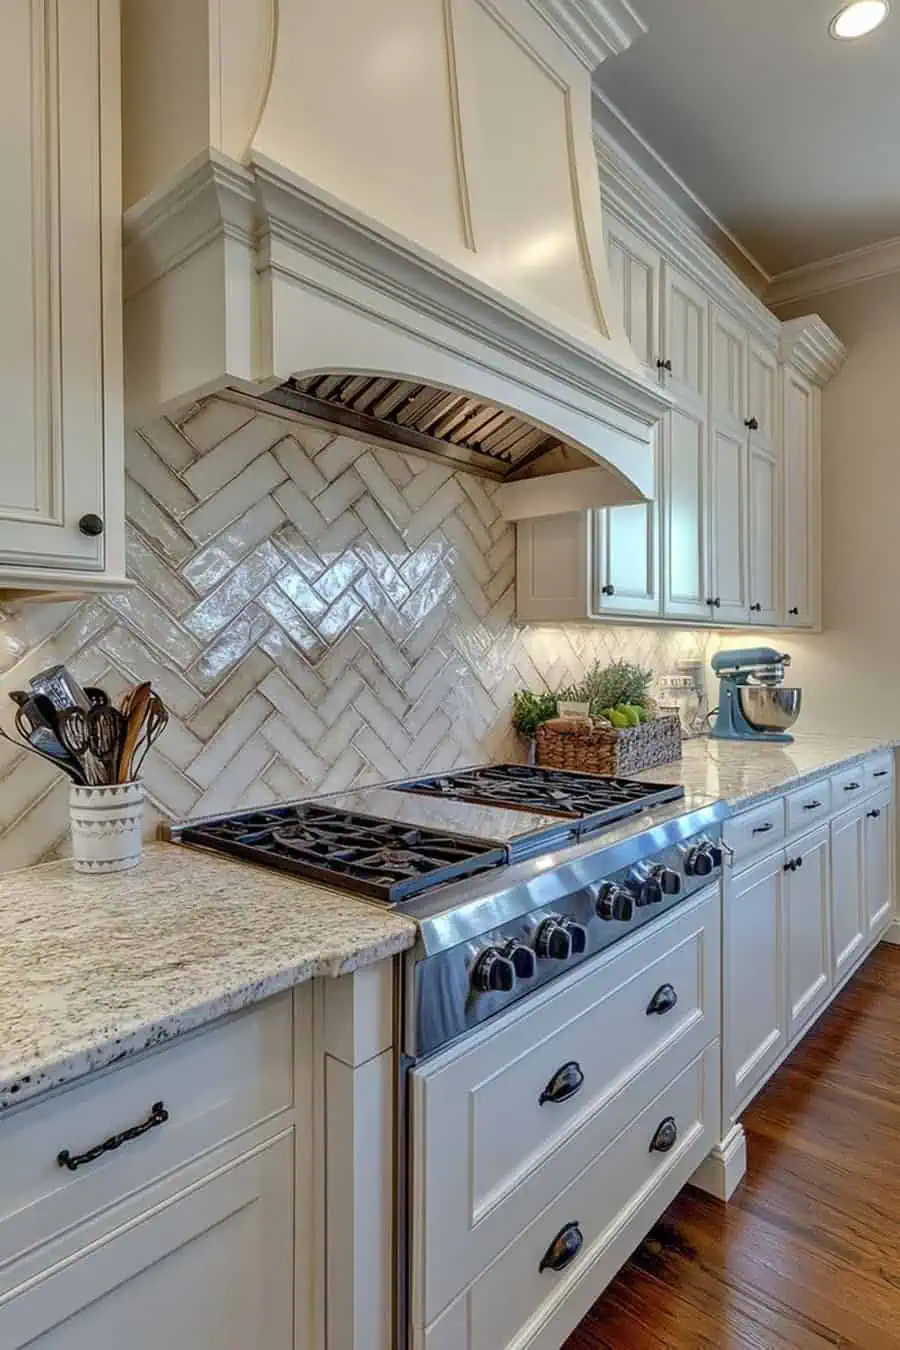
{"x": 384, "y": 216}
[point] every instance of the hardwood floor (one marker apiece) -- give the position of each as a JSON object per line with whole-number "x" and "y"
{"x": 807, "y": 1254}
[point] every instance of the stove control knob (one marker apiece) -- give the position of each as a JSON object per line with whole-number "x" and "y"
{"x": 715, "y": 853}
{"x": 698, "y": 863}
{"x": 523, "y": 959}
{"x": 668, "y": 878}
{"x": 614, "y": 903}
{"x": 578, "y": 935}
{"x": 553, "y": 941}
{"x": 493, "y": 972}
{"x": 645, "y": 889}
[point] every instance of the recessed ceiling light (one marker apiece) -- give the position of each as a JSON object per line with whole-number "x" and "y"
{"x": 859, "y": 18}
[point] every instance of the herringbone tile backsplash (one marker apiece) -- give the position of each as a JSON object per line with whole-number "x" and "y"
{"x": 316, "y": 613}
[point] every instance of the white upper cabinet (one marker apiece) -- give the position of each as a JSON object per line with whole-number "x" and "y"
{"x": 685, "y": 448}
{"x": 728, "y": 468}
{"x": 625, "y": 545}
{"x": 61, "y": 495}
{"x": 801, "y": 500}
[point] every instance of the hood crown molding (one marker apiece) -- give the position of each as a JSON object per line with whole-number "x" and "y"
{"x": 297, "y": 243}
{"x": 810, "y": 345}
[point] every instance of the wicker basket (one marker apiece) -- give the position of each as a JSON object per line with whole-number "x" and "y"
{"x": 590, "y": 748}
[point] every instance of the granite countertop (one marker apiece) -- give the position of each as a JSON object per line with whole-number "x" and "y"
{"x": 93, "y": 969}
{"x": 743, "y": 773}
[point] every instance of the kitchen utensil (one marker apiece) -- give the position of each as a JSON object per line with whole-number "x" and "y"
{"x": 106, "y": 732}
{"x": 126, "y": 702}
{"x": 154, "y": 725}
{"x": 135, "y": 706}
{"x": 61, "y": 687}
{"x": 65, "y": 763}
{"x": 99, "y": 697}
{"x": 753, "y": 703}
{"x": 19, "y": 696}
{"x": 74, "y": 732}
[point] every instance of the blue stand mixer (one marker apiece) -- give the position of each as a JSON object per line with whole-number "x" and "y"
{"x": 754, "y": 705}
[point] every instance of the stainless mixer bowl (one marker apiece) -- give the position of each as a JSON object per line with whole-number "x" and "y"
{"x": 768, "y": 709}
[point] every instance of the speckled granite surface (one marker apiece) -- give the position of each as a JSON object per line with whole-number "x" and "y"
{"x": 93, "y": 969}
{"x": 744, "y": 773}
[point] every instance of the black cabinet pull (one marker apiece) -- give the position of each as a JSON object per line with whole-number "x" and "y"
{"x": 751, "y": 423}
{"x": 664, "y": 365}
{"x": 608, "y": 589}
{"x": 663, "y": 1000}
{"x": 763, "y": 829}
{"x": 811, "y": 806}
{"x": 564, "y": 1084}
{"x": 91, "y": 524}
{"x": 756, "y": 609}
{"x": 665, "y": 1136}
{"x": 798, "y": 862}
{"x": 563, "y": 1249}
{"x": 873, "y": 815}
{"x": 880, "y": 773}
{"x": 158, "y": 1116}
{"x": 852, "y": 787}
{"x": 793, "y": 610}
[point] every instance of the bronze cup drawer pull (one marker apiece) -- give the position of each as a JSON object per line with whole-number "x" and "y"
{"x": 665, "y": 1136}
{"x": 158, "y": 1116}
{"x": 563, "y": 1249}
{"x": 663, "y": 1000}
{"x": 564, "y": 1084}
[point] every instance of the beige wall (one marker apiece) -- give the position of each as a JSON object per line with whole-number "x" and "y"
{"x": 850, "y": 674}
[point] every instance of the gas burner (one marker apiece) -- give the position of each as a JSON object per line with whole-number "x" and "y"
{"x": 589, "y": 799}
{"x": 384, "y": 859}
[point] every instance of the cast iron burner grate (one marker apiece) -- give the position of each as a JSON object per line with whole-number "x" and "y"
{"x": 383, "y": 859}
{"x": 590, "y": 799}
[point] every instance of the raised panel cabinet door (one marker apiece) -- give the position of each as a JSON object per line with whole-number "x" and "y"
{"x": 728, "y": 369}
{"x": 52, "y": 316}
{"x": 728, "y": 524}
{"x": 762, "y": 394}
{"x": 807, "y": 892}
{"x": 685, "y": 329}
{"x": 753, "y": 985}
{"x": 800, "y": 458}
{"x": 210, "y": 1267}
{"x": 686, "y": 514}
{"x": 625, "y": 571}
{"x": 878, "y": 871}
{"x": 849, "y": 923}
{"x": 763, "y": 535}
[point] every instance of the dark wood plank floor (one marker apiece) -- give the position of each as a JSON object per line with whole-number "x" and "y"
{"x": 807, "y": 1254}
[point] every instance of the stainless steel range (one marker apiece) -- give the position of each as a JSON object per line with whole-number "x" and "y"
{"x": 515, "y": 874}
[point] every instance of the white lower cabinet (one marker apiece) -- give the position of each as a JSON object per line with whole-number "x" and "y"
{"x": 210, "y": 1267}
{"x": 753, "y": 1032}
{"x": 878, "y": 843}
{"x": 848, "y": 902}
{"x": 807, "y": 891}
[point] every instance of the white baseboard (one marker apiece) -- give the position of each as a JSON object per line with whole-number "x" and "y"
{"x": 892, "y": 933}
{"x": 724, "y": 1166}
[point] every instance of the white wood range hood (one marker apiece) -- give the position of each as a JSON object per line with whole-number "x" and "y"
{"x": 386, "y": 214}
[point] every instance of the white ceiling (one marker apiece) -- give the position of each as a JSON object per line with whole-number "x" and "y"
{"x": 791, "y": 139}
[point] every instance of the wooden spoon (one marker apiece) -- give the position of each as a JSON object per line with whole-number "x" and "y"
{"x": 135, "y": 707}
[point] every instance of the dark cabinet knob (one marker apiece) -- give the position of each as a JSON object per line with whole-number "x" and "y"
{"x": 553, "y": 941}
{"x": 751, "y": 423}
{"x": 715, "y": 602}
{"x": 873, "y": 815}
{"x": 663, "y": 1000}
{"x": 665, "y": 1136}
{"x": 564, "y": 1084}
{"x": 563, "y": 1249}
{"x": 523, "y": 959}
{"x": 793, "y": 610}
{"x": 664, "y": 365}
{"x": 790, "y": 865}
{"x": 607, "y": 589}
{"x": 91, "y": 524}
{"x": 493, "y": 973}
{"x": 756, "y": 609}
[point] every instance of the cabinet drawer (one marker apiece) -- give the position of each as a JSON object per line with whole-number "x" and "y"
{"x": 491, "y": 1150}
{"x": 808, "y": 805}
{"x": 614, "y": 1201}
{"x": 213, "y": 1085}
{"x": 756, "y": 831}
{"x": 849, "y": 784}
{"x": 879, "y": 770}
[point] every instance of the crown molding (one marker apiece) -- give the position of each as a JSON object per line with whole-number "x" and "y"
{"x": 811, "y": 347}
{"x": 636, "y": 199}
{"x": 833, "y": 274}
{"x": 614, "y": 130}
{"x": 593, "y": 29}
